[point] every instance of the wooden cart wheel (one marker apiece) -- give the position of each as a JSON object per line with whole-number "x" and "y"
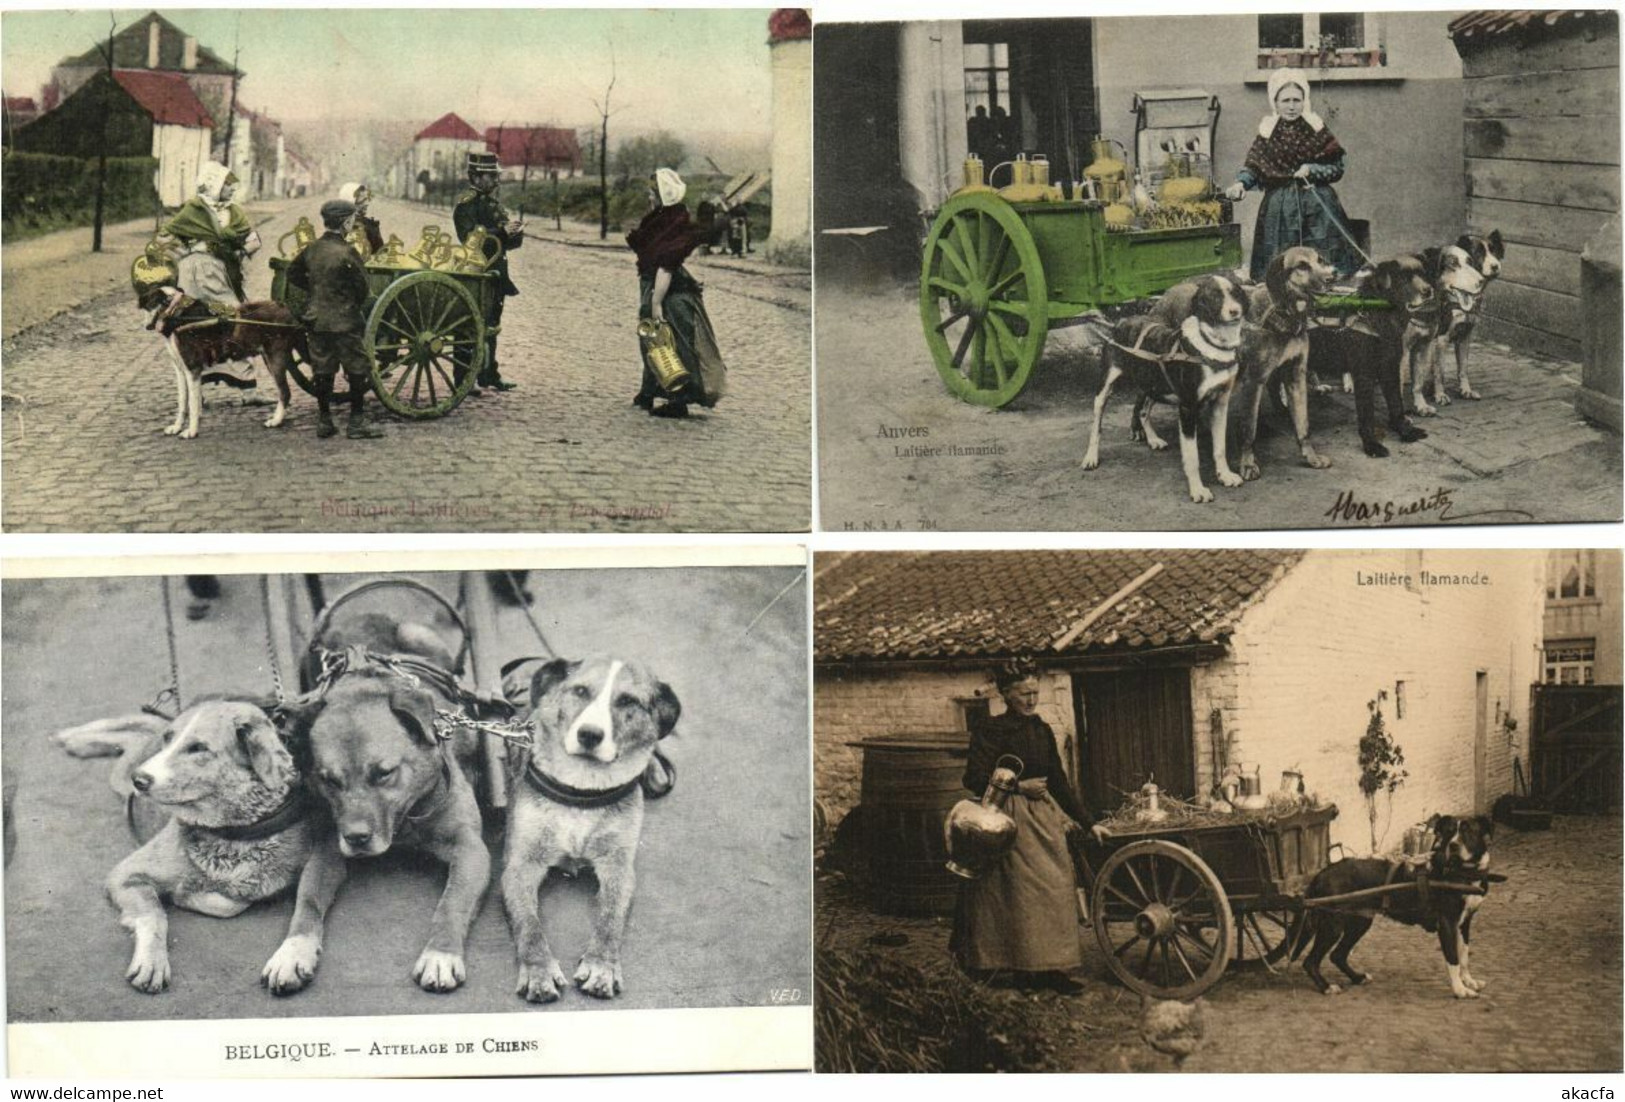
{"x": 428, "y": 344}
{"x": 983, "y": 300}
{"x": 1163, "y": 920}
{"x": 1265, "y": 933}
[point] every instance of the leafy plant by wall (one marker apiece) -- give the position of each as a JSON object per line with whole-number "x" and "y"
{"x": 1382, "y": 765}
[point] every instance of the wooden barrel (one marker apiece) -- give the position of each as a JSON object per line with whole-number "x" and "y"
{"x": 909, "y": 784}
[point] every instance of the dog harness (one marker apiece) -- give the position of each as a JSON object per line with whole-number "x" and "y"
{"x": 290, "y": 814}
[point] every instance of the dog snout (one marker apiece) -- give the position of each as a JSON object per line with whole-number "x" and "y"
{"x": 357, "y": 840}
{"x": 1231, "y": 310}
{"x": 142, "y": 780}
{"x": 589, "y": 737}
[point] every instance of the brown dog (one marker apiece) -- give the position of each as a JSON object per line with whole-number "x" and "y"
{"x": 379, "y": 760}
{"x": 1276, "y": 340}
{"x": 197, "y": 339}
{"x": 577, "y": 802}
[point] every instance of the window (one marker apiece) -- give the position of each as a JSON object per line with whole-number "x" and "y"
{"x": 1571, "y": 662}
{"x": 1571, "y": 575}
{"x": 972, "y": 710}
{"x": 1320, "y": 40}
{"x": 987, "y": 77}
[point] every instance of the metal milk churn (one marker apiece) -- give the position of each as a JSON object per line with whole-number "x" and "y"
{"x": 979, "y": 834}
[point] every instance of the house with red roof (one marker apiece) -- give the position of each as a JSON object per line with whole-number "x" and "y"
{"x": 439, "y": 153}
{"x": 543, "y": 150}
{"x": 149, "y": 114}
{"x": 1170, "y": 665}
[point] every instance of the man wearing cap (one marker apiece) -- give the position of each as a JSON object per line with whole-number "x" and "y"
{"x": 330, "y": 271}
{"x": 479, "y": 206}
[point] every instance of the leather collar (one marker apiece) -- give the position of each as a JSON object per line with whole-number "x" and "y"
{"x": 436, "y": 797}
{"x": 559, "y": 792}
{"x": 289, "y": 815}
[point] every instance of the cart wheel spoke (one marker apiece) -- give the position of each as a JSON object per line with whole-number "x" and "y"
{"x": 953, "y": 257}
{"x": 1134, "y": 903}
{"x": 995, "y": 358}
{"x": 1184, "y": 961}
{"x": 999, "y": 257}
{"x": 964, "y": 344}
{"x": 436, "y": 316}
{"x": 406, "y": 337}
{"x": 966, "y": 246}
{"x": 1006, "y": 283}
{"x": 1138, "y": 886}
{"x": 956, "y": 289}
{"x": 1188, "y": 931}
{"x": 1126, "y": 946}
{"x": 983, "y": 233}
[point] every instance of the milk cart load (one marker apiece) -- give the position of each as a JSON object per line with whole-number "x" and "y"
{"x": 428, "y": 314}
{"x": 1003, "y": 266}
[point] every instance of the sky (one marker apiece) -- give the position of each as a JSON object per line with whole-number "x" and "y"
{"x": 678, "y": 69}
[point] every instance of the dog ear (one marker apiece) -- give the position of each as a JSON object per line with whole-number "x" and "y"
{"x": 292, "y": 719}
{"x": 1384, "y": 277}
{"x": 668, "y": 709}
{"x": 549, "y": 675}
{"x": 414, "y": 707}
{"x": 270, "y": 760}
{"x": 1497, "y": 247}
{"x": 1275, "y": 276}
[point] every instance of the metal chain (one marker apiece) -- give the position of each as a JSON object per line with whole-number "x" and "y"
{"x": 270, "y": 640}
{"x": 512, "y": 731}
{"x": 173, "y": 692}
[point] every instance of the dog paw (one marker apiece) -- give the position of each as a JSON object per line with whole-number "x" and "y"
{"x": 1249, "y": 469}
{"x": 1230, "y": 479}
{"x": 149, "y": 972}
{"x": 1090, "y": 462}
{"x": 292, "y": 966}
{"x": 275, "y": 420}
{"x": 540, "y": 983}
{"x": 1361, "y": 979}
{"x": 1441, "y": 399}
{"x": 599, "y": 977}
{"x": 1425, "y": 410}
{"x": 1317, "y": 461}
{"x": 437, "y": 971}
{"x": 187, "y": 434}
{"x": 173, "y": 430}
{"x": 1470, "y": 394}
{"x": 1464, "y": 992}
{"x": 1472, "y": 984}
{"x": 1156, "y": 443}
{"x": 1348, "y": 384}
{"x": 1332, "y": 989}
{"x": 1201, "y": 495}
{"x": 1374, "y": 449}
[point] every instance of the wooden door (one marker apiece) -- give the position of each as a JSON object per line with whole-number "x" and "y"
{"x": 1133, "y": 725}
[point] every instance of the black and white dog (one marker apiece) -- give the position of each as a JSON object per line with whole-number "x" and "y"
{"x": 1189, "y": 361}
{"x": 1461, "y": 273}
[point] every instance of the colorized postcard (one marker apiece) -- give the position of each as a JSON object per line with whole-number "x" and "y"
{"x": 259, "y": 264}
{"x": 1218, "y": 811}
{"x": 1338, "y": 269}
{"x": 486, "y": 817}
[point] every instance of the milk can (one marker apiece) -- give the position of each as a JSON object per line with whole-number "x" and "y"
{"x": 979, "y": 834}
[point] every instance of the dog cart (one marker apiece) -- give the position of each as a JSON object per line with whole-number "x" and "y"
{"x": 1001, "y": 268}
{"x": 428, "y": 313}
{"x": 1174, "y": 905}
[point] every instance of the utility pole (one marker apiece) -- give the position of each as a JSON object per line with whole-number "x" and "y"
{"x": 231, "y": 112}
{"x": 101, "y": 146}
{"x": 603, "y": 151}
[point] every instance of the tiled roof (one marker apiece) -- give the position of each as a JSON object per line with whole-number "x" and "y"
{"x": 985, "y": 604}
{"x": 789, "y": 24}
{"x": 449, "y": 125}
{"x": 1477, "y": 26}
{"x": 21, "y": 103}
{"x": 544, "y": 145}
{"x": 165, "y": 96}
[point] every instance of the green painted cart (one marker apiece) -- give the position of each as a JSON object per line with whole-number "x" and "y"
{"x": 426, "y": 330}
{"x": 997, "y": 276}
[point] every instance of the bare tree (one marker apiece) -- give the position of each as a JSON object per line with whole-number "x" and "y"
{"x": 604, "y": 113}
{"x": 101, "y": 146}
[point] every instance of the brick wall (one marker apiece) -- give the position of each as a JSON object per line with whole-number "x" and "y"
{"x": 850, "y": 705}
{"x": 1308, "y": 658}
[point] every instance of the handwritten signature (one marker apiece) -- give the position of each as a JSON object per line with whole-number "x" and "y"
{"x": 1438, "y": 506}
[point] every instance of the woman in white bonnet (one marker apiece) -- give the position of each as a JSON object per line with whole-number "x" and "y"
{"x": 1295, "y": 160}
{"x": 662, "y": 241}
{"x": 214, "y": 236}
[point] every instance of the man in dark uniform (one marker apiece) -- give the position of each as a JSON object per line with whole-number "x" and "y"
{"x": 330, "y": 272}
{"x": 479, "y": 207}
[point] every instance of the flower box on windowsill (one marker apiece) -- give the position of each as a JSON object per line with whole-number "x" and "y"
{"x": 1314, "y": 59}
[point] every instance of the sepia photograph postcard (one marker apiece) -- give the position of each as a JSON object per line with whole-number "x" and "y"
{"x": 1339, "y": 269}
{"x": 490, "y": 817}
{"x": 1218, "y": 811}
{"x": 377, "y": 270}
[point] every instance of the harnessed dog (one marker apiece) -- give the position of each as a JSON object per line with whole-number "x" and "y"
{"x": 1461, "y": 273}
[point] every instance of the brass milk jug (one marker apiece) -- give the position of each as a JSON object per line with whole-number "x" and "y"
{"x": 660, "y": 352}
{"x": 979, "y": 834}
{"x": 303, "y": 233}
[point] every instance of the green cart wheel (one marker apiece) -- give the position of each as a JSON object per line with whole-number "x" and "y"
{"x": 428, "y": 344}
{"x": 983, "y": 300}
{"x": 1162, "y": 919}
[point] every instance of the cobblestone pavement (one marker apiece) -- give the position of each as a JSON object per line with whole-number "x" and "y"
{"x": 88, "y": 391}
{"x": 81, "y": 649}
{"x": 1520, "y": 454}
{"x": 1546, "y": 943}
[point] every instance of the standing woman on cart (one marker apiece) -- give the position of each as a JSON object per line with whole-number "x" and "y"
{"x": 1021, "y": 916}
{"x": 1295, "y": 160}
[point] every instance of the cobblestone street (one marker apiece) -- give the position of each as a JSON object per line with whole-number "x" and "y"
{"x": 1546, "y": 943}
{"x": 88, "y": 391}
{"x": 1521, "y": 454}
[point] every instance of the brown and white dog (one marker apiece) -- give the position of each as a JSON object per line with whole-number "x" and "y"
{"x": 1184, "y": 352}
{"x": 577, "y": 802}
{"x": 1276, "y": 341}
{"x": 239, "y": 831}
{"x": 1461, "y": 273}
{"x": 1461, "y": 854}
{"x": 267, "y": 330}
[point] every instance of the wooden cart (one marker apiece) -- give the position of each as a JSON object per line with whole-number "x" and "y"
{"x": 426, "y": 332}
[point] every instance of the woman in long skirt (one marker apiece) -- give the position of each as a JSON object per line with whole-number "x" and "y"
{"x": 662, "y": 241}
{"x": 1295, "y": 160}
{"x": 1021, "y": 916}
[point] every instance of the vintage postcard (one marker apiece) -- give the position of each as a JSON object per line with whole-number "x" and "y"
{"x": 473, "y": 816}
{"x": 1156, "y": 810}
{"x": 1338, "y": 270}
{"x": 382, "y": 271}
